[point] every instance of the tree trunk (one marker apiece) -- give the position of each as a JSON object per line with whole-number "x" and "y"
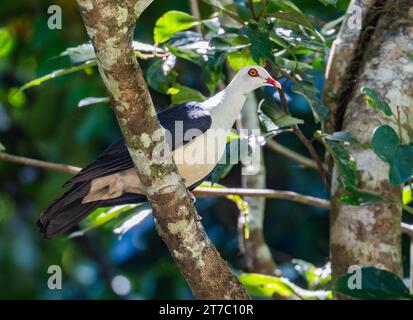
{"x": 369, "y": 235}
{"x": 110, "y": 25}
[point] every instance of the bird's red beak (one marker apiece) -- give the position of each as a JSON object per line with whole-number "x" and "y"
{"x": 273, "y": 82}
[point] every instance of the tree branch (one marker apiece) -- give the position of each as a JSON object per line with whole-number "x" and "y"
{"x": 39, "y": 163}
{"x": 264, "y": 193}
{"x": 200, "y": 191}
{"x": 110, "y": 25}
{"x": 252, "y": 9}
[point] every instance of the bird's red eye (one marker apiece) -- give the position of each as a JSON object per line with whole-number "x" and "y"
{"x": 253, "y": 72}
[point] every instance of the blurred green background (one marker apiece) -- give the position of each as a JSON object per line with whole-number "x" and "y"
{"x": 45, "y": 123}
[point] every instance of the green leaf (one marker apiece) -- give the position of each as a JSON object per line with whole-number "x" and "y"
{"x": 189, "y": 55}
{"x": 260, "y": 285}
{"x": 85, "y": 52}
{"x": 273, "y": 118}
{"x": 92, "y": 100}
{"x": 140, "y": 213}
{"x": 347, "y": 169}
{"x": 85, "y": 55}
{"x": 329, "y": 2}
{"x": 58, "y": 73}
{"x": 261, "y": 46}
{"x": 227, "y": 162}
{"x": 342, "y": 136}
{"x": 386, "y": 144}
{"x": 103, "y": 216}
{"x": 229, "y": 42}
{"x": 401, "y": 168}
{"x": 345, "y": 164}
{"x": 407, "y": 196}
{"x": 358, "y": 197}
{"x": 315, "y": 277}
{"x": 375, "y": 100}
{"x": 293, "y": 16}
{"x": 181, "y": 94}
{"x": 16, "y": 97}
{"x": 171, "y": 23}
{"x": 286, "y": 10}
{"x": 2, "y": 147}
{"x": 240, "y": 59}
{"x": 160, "y": 78}
{"x": 376, "y": 284}
{"x": 308, "y": 90}
{"x": 7, "y": 42}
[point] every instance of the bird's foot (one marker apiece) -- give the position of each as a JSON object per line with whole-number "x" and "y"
{"x": 193, "y": 198}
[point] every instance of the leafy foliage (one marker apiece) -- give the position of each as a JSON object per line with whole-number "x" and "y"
{"x": 374, "y": 100}
{"x": 259, "y": 285}
{"x": 386, "y": 145}
{"x": 407, "y": 195}
{"x": 316, "y": 278}
{"x": 376, "y": 284}
{"x": 337, "y": 145}
{"x": 273, "y": 118}
{"x": 171, "y": 23}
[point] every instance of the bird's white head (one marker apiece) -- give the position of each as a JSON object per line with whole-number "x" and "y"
{"x": 253, "y": 77}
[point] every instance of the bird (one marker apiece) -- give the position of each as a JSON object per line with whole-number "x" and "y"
{"x": 112, "y": 180}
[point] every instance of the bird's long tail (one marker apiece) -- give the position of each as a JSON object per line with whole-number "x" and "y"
{"x": 66, "y": 211}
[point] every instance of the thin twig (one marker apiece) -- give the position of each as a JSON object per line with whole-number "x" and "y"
{"x": 39, "y": 163}
{"x": 264, "y": 193}
{"x": 307, "y": 143}
{"x": 252, "y": 9}
{"x": 264, "y": 6}
{"x": 279, "y": 148}
{"x": 313, "y": 154}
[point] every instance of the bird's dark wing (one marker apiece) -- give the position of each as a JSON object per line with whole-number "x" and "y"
{"x": 116, "y": 157}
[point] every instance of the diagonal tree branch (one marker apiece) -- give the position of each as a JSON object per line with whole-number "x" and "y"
{"x": 110, "y": 25}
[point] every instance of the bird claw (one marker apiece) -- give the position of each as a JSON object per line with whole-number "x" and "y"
{"x": 193, "y": 198}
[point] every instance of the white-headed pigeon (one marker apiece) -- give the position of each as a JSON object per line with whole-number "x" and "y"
{"x": 111, "y": 179}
